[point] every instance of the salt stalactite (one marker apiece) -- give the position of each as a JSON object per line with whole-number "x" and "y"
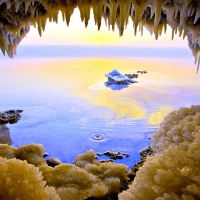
{"x": 84, "y": 12}
{"x": 139, "y": 8}
{"x": 97, "y": 11}
{"x": 67, "y": 13}
{"x": 154, "y": 15}
{"x": 9, "y": 42}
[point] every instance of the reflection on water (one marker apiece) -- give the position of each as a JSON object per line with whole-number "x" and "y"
{"x": 5, "y": 135}
{"x": 70, "y": 112}
{"x": 67, "y": 107}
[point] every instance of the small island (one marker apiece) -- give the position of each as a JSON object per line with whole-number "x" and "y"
{"x": 117, "y": 81}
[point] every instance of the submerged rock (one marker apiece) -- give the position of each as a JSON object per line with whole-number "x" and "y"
{"x": 5, "y": 135}
{"x": 11, "y": 116}
{"x": 113, "y": 154}
{"x": 132, "y": 75}
{"x": 144, "y": 153}
{"x": 142, "y": 72}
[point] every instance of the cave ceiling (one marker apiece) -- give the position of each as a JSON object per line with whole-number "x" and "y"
{"x": 183, "y": 16}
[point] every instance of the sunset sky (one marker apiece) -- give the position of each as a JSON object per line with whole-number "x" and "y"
{"x": 77, "y": 34}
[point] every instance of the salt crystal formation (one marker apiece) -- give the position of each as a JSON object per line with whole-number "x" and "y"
{"x": 173, "y": 172}
{"x": 87, "y": 178}
{"x": 16, "y": 16}
{"x": 32, "y": 153}
{"x": 20, "y": 180}
{"x": 179, "y": 128}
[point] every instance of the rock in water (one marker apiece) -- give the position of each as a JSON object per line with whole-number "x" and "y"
{"x": 11, "y": 116}
{"x": 117, "y": 81}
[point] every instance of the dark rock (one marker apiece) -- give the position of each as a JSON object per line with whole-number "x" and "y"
{"x": 131, "y": 76}
{"x": 105, "y": 161}
{"x": 142, "y": 72}
{"x": 113, "y": 154}
{"x": 45, "y": 155}
{"x": 52, "y": 162}
{"x": 109, "y": 197}
{"x": 126, "y": 154}
{"x": 11, "y": 116}
{"x": 144, "y": 153}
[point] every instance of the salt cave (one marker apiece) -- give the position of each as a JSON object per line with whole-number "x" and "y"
{"x": 176, "y": 156}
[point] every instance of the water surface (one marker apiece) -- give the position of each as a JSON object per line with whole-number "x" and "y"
{"x": 68, "y": 109}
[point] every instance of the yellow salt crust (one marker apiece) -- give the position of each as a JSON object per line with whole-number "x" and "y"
{"x": 178, "y": 128}
{"x": 112, "y": 175}
{"x": 173, "y": 172}
{"x": 32, "y": 153}
{"x": 20, "y": 180}
{"x": 87, "y": 178}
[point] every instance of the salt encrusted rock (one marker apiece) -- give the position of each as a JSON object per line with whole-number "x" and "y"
{"x": 144, "y": 153}
{"x": 113, "y": 154}
{"x": 87, "y": 178}
{"x": 178, "y": 128}
{"x": 32, "y": 153}
{"x": 113, "y": 175}
{"x": 173, "y": 171}
{"x": 114, "y": 77}
{"x": 52, "y": 162}
{"x": 172, "y": 174}
{"x": 11, "y": 116}
{"x": 20, "y": 180}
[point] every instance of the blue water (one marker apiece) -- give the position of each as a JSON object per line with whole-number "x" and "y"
{"x": 65, "y": 102}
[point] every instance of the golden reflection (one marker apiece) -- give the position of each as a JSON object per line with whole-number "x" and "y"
{"x": 84, "y": 78}
{"x": 92, "y": 87}
{"x": 157, "y": 117}
{"x": 122, "y": 108}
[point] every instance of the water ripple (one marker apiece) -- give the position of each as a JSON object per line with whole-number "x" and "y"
{"x": 97, "y": 137}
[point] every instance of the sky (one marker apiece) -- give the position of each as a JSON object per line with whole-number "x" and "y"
{"x": 77, "y": 34}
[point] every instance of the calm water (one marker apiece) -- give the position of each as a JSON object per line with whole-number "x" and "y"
{"x": 61, "y": 88}
{"x": 66, "y": 103}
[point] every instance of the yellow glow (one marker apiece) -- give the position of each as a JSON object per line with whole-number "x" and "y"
{"x": 158, "y": 116}
{"x": 123, "y": 108}
{"x": 87, "y": 82}
{"x": 77, "y": 34}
